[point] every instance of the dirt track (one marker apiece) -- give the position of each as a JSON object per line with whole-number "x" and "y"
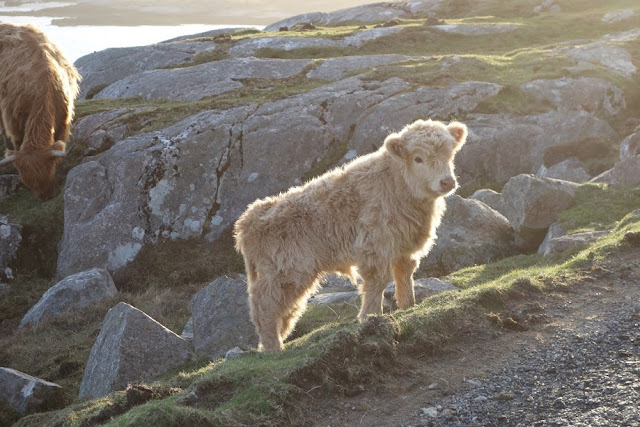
{"x": 574, "y": 361}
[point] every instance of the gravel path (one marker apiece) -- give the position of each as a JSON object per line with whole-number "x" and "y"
{"x": 589, "y": 376}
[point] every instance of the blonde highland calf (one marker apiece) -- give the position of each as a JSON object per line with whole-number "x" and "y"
{"x": 375, "y": 217}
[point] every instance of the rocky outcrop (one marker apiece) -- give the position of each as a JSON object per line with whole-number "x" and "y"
{"x": 196, "y": 177}
{"x": 374, "y": 12}
{"x": 131, "y": 347}
{"x": 332, "y": 69}
{"x": 10, "y": 238}
{"x": 200, "y": 81}
{"x": 475, "y": 30}
{"x": 249, "y": 47}
{"x": 532, "y": 204}
{"x": 76, "y": 291}
{"x": 105, "y": 67}
{"x": 502, "y": 146}
{"x": 25, "y": 394}
{"x": 221, "y": 319}
{"x": 470, "y": 233}
{"x": 595, "y": 96}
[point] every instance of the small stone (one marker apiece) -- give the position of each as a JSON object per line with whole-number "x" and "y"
{"x": 234, "y": 354}
{"x": 431, "y": 412}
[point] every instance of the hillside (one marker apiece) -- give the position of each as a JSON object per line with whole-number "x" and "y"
{"x": 172, "y": 141}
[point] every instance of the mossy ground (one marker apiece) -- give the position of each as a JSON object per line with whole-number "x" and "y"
{"x": 259, "y": 388}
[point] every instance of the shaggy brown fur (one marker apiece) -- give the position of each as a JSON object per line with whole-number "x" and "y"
{"x": 38, "y": 87}
{"x": 377, "y": 215}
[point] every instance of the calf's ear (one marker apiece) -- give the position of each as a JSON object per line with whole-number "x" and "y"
{"x": 459, "y": 132}
{"x": 395, "y": 145}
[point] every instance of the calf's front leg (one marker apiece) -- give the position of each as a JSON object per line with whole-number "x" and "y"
{"x": 375, "y": 280}
{"x": 403, "y": 269}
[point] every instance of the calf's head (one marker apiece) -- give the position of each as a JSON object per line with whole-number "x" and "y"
{"x": 426, "y": 150}
{"x": 37, "y": 168}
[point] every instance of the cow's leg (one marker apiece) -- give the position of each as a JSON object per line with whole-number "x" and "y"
{"x": 265, "y": 302}
{"x": 403, "y": 269}
{"x": 375, "y": 277}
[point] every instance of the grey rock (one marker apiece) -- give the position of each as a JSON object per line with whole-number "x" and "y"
{"x": 571, "y": 169}
{"x": 76, "y": 291}
{"x": 131, "y": 347}
{"x": 9, "y": 185}
{"x": 423, "y": 288}
{"x": 502, "y": 146}
{"x": 221, "y": 318}
{"x": 374, "y": 12}
{"x": 248, "y": 47}
{"x": 618, "y": 15}
{"x": 336, "y": 283}
{"x": 596, "y": 96}
{"x": 532, "y": 204}
{"x": 475, "y": 30}
{"x": 625, "y": 172}
{"x": 100, "y": 69}
{"x": 10, "y": 238}
{"x": 471, "y": 233}
{"x": 393, "y": 113}
{"x": 555, "y": 230}
{"x": 489, "y": 197}
{"x": 200, "y": 81}
{"x": 344, "y": 297}
{"x": 187, "y": 331}
{"x": 570, "y": 241}
{"x": 333, "y": 69}
{"x": 603, "y": 53}
{"x": 25, "y": 394}
{"x": 98, "y": 132}
{"x": 234, "y": 354}
{"x": 630, "y": 147}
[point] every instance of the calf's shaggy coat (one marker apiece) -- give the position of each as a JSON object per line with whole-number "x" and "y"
{"x": 377, "y": 214}
{"x": 38, "y": 87}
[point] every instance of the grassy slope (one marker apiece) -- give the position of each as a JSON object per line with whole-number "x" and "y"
{"x": 257, "y": 387}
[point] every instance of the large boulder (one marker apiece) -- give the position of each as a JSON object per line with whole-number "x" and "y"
{"x": 24, "y": 393}
{"x": 131, "y": 347}
{"x": 596, "y": 96}
{"x": 630, "y": 146}
{"x": 471, "y": 233}
{"x": 195, "y": 178}
{"x": 76, "y": 291}
{"x": 532, "y": 204}
{"x": 100, "y": 69}
{"x": 570, "y": 241}
{"x": 221, "y": 318}
{"x": 501, "y": 146}
{"x": 375, "y": 12}
{"x": 10, "y": 238}
{"x": 624, "y": 172}
{"x": 571, "y": 169}
{"x": 200, "y": 81}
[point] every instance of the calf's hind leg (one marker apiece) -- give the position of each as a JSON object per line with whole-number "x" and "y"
{"x": 275, "y": 309}
{"x": 375, "y": 280}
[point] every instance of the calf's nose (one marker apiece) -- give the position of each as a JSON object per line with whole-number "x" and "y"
{"x": 447, "y": 183}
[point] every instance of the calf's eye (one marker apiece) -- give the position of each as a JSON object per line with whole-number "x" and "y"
{"x": 418, "y": 159}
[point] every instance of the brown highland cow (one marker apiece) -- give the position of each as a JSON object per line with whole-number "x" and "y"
{"x": 38, "y": 87}
{"x": 377, "y": 215}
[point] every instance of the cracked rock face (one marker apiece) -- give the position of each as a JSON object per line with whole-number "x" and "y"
{"x": 195, "y": 178}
